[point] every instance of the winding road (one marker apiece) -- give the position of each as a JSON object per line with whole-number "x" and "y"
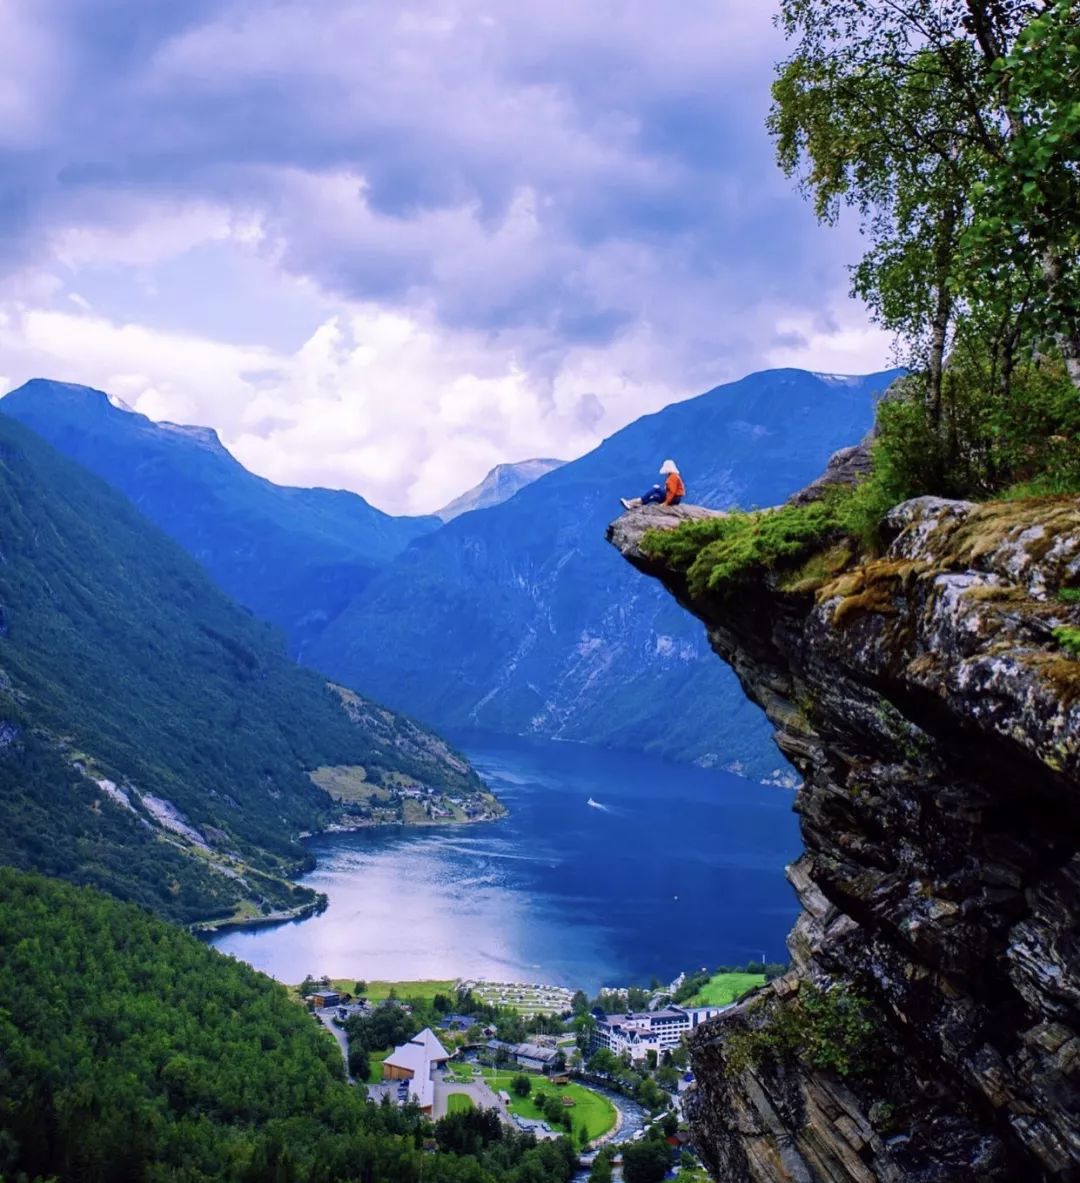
{"x": 326, "y": 1017}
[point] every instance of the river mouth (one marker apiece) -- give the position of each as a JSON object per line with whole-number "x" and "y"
{"x": 610, "y": 868}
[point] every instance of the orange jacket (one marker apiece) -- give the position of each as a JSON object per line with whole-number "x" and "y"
{"x": 675, "y": 488}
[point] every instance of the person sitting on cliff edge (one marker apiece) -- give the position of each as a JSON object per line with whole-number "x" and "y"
{"x": 670, "y": 493}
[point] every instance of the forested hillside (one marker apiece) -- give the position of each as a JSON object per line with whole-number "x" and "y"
{"x": 155, "y": 738}
{"x": 131, "y": 1051}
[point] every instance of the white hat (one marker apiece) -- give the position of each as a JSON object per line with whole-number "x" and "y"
{"x": 668, "y": 467}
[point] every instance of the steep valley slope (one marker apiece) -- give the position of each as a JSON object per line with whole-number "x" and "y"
{"x": 929, "y": 1031}
{"x": 295, "y": 557}
{"x": 155, "y": 738}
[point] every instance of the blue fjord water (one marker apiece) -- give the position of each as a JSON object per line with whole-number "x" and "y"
{"x": 671, "y": 867}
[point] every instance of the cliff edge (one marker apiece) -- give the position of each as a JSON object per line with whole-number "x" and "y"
{"x": 929, "y": 1030}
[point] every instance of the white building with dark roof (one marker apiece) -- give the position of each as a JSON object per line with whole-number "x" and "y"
{"x": 415, "y": 1062}
{"x": 636, "y": 1033}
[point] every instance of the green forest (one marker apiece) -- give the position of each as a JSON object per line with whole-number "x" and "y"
{"x": 132, "y": 1051}
{"x": 118, "y": 654}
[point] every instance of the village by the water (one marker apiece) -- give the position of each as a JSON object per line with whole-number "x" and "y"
{"x": 540, "y": 1058}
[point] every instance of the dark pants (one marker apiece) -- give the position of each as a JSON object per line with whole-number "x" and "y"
{"x": 656, "y": 495}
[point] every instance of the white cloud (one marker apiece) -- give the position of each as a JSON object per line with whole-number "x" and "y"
{"x": 461, "y": 232}
{"x": 393, "y": 406}
{"x": 151, "y": 230}
{"x": 845, "y": 345}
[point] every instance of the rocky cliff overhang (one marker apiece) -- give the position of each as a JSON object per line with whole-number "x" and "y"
{"x": 935, "y": 718}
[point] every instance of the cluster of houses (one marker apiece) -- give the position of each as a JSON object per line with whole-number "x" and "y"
{"x": 525, "y": 996}
{"x": 409, "y": 1071}
{"x": 637, "y": 1033}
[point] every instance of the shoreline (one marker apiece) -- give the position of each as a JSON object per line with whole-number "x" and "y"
{"x": 604, "y": 1139}
{"x": 213, "y": 927}
{"x": 285, "y": 916}
{"x": 429, "y": 824}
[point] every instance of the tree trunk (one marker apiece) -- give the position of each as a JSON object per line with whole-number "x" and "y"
{"x": 985, "y": 29}
{"x": 939, "y": 321}
{"x": 938, "y": 329}
{"x": 1068, "y": 335}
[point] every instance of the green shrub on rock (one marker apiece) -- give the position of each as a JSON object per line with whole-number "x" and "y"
{"x": 1068, "y": 638}
{"x": 830, "y": 1030}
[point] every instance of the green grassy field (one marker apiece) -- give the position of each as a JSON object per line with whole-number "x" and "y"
{"x": 591, "y": 1111}
{"x": 459, "y": 1103}
{"x": 348, "y": 782}
{"x": 378, "y": 991}
{"x": 721, "y": 989}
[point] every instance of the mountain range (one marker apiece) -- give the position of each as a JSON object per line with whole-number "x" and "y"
{"x": 515, "y": 617}
{"x": 521, "y": 619}
{"x": 156, "y": 739}
{"x": 295, "y": 557}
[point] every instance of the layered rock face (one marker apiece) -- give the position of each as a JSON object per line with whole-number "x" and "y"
{"x": 935, "y": 718}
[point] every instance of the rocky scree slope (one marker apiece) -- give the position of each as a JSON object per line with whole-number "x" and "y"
{"x": 930, "y": 1027}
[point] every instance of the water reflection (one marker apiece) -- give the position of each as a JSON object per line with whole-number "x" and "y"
{"x": 682, "y": 868}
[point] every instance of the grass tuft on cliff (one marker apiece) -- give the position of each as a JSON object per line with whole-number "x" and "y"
{"x": 720, "y": 551}
{"x": 983, "y": 448}
{"x": 831, "y": 1030}
{"x": 717, "y": 553}
{"x": 1068, "y": 638}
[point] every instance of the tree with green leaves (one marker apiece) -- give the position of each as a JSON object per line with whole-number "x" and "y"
{"x": 603, "y": 1060}
{"x": 359, "y": 1061}
{"x": 1028, "y": 207}
{"x": 950, "y": 126}
{"x": 646, "y": 1161}
{"x": 601, "y": 1169}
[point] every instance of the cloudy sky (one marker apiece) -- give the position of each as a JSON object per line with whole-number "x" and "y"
{"x": 383, "y": 245}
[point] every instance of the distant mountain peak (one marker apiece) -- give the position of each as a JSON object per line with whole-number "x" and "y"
{"x": 48, "y": 390}
{"x": 119, "y": 404}
{"x": 500, "y": 484}
{"x": 49, "y": 387}
{"x": 839, "y": 379}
